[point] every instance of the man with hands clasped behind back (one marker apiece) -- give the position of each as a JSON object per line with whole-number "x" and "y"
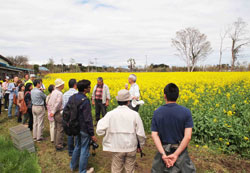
{"x": 171, "y": 131}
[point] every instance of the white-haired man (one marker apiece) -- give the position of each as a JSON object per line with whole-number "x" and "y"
{"x": 134, "y": 91}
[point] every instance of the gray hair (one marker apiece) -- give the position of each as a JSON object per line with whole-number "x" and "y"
{"x": 100, "y": 79}
{"x": 133, "y": 77}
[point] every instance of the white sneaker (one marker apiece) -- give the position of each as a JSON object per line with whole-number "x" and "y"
{"x": 6, "y": 109}
{"x": 91, "y": 170}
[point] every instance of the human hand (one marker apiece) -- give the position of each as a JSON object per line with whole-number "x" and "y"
{"x": 94, "y": 138}
{"x": 171, "y": 160}
{"x": 107, "y": 103}
{"x": 166, "y": 160}
{"x": 139, "y": 150}
{"x": 126, "y": 86}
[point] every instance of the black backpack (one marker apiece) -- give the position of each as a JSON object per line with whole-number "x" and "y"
{"x": 71, "y": 124}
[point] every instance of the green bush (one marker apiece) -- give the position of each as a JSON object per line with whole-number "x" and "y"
{"x": 15, "y": 161}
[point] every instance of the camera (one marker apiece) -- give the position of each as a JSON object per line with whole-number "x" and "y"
{"x": 93, "y": 144}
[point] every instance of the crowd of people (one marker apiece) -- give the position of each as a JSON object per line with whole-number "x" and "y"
{"x": 122, "y": 127}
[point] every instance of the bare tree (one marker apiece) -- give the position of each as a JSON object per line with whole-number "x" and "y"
{"x": 238, "y": 34}
{"x": 20, "y": 61}
{"x": 223, "y": 35}
{"x": 192, "y": 46}
{"x": 131, "y": 64}
{"x": 50, "y": 65}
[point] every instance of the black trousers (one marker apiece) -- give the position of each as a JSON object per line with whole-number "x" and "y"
{"x": 29, "y": 111}
{"x": 100, "y": 108}
{"x": 6, "y": 100}
{"x": 134, "y": 108}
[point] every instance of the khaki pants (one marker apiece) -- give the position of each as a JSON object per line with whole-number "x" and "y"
{"x": 58, "y": 130}
{"x": 52, "y": 130}
{"x": 122, "y": 161}
{"x": 38, "y": 120}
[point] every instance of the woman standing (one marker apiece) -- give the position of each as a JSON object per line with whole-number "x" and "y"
{"x": 51, "y": 119}
{"x": 1, "y": 97}
{"x": 20, "y": 101}
{"x": 27, "y": 99}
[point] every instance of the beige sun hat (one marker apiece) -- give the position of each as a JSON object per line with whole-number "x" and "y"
{"x": 123, "y": 95}
{"x": 58, "y": 82}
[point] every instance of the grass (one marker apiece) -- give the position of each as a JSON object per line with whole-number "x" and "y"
{"x": 13, "y": 160}
{"x": 50, "y": 161}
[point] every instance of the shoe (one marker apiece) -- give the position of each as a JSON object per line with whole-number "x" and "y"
{"x": 60, "y": 149}
{"x": 5, "y": 109}
{"x": 34, "y": 139}
{"x": 39, "y": 140}
{"x": 91, "y": 170}
{"x": 52, "y": 142}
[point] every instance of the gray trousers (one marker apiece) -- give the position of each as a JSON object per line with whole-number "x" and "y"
{"x": 183, "y": 164}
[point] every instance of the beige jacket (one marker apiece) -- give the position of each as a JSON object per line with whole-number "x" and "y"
{"x": 56, "y": 101}
{"x": 122, "y": 128}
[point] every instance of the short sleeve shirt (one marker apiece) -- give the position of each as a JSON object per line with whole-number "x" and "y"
{"x": 170, "y": 122}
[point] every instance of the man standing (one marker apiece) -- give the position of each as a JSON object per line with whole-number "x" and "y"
{"x": 13, "y": 90}
{"x": 171, "y": 131}
{"x": 100, "y": 98}
{"x": 72, "y": 90}
{"x": 81, "y": 150}
{"x": 6, "y": 93}
{"x": 56, "y": 107}
{"x": 123, "y": 129}
{"x": 134, "y": 91}
{"x": 31, "y": 80}
{"x": 26, "y": 77}
{"x": 38, "y": 110}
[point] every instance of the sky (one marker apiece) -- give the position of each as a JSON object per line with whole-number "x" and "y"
{"x": 108, "y": 32}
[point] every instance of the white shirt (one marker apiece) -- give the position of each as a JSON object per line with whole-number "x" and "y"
{"x": 122, "y": 128}
{"x": 67, "y": 95}
{"x": 135, "y": 91}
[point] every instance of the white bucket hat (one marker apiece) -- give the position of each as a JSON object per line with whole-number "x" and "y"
{"x": 58, "y": 82}
{"x": 124, "y": 95}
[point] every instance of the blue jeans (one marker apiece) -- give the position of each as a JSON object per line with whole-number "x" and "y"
{"x": 81, "y": 153}
{"x": 10, "y": 108}
{"x": 71, "y": 144}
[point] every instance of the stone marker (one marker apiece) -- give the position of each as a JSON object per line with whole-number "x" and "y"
{"x": 22, "y": 138}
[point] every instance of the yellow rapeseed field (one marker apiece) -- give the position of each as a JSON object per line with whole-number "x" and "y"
{"x": 219, "y": 101}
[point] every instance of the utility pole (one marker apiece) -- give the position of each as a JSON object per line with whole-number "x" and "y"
{"x": 96, "y": 64}
{"x": 146, "y": 63}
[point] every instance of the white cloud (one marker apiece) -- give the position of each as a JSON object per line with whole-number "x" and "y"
{"x": 111, "y": 30}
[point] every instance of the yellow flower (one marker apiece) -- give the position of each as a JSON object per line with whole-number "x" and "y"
{"x": 220, "y": 139}
{"x": 224, "y": 111}
{"x": 215, "y": 120}
{"x": 196, "y": 102}
{"x": 246, "y": 138}
{"x": 228, "y": 95}
{"x": 229, "y": 113}
{"x": 227, "y": 143}
{"x": 197, "y": 146}
{"x": 205, "y": 146}
{"x": 245, "y": 101}
{"x": 217, "y": 105}
{"x": 233, "y": 106}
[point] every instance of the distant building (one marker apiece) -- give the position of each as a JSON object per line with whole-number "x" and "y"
{"x": 43, "y": 70}
{"x": 7, "y": 69}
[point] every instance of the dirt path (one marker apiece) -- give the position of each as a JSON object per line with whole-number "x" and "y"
{"x": 51, "y": 161}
